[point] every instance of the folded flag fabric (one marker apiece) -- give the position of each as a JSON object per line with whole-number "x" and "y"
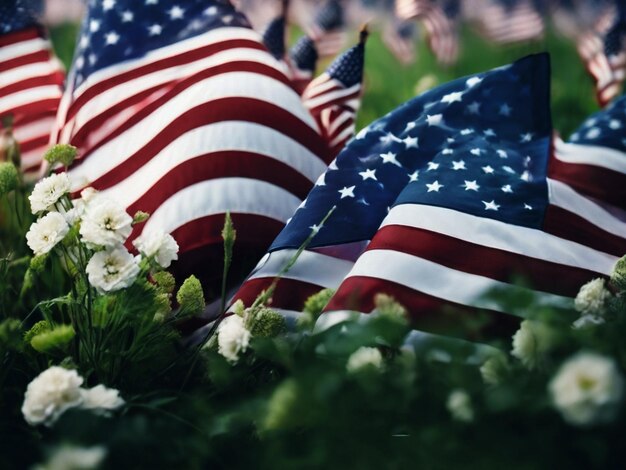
{"x": 454, "y": 192}
{"x": 178, "y": 109}
{"x": 31, "y": 80}
{"x": 335, "y": 96}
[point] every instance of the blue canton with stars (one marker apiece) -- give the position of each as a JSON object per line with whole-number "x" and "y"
{"x": 604, "y": 128}
{"x": 114, "y": 31}
{"x": 16, "y": 15}
{"x": 479, "y": 144}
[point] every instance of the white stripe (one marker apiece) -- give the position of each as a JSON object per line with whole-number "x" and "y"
{"x": 34, "y": 129}
{"x": 439, "y": 281}
{"x": 212, "y": 37}
{"x": 14, "y": 100}
{"x": 311, "y": 267}
{"x": 499, "y": 235}
{"x": 591, "y": 155}
{"x": 233, "y": 85}
{"x": 344, "y": 135}
{"x": 237, "y": 195}
{"x": 38, "y": 69}
{"x": 564, "y": 196}
{"x": 111, "y": 97}
{"x": 223, "y": 136}
{"x": 33, "y": 157}
{"x": 335, "y": 95}
{"x": 23, "y": 48}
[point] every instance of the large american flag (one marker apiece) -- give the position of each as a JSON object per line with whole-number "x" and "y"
{"x": 30, "y": 80}
{"x": 446, "y": 198}
{"x": 335, "y": 96}
{"x": 178, "y": 109}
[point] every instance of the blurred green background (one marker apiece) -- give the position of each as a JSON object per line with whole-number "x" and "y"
{"x": 388, "y": 83}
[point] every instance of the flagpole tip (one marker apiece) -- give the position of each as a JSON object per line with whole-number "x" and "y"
{"x": 363, "y": 33}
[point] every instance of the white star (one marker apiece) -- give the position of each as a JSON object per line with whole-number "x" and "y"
{"x": 471, "y": 185}
{"x": 502, "y": 154}
{"x": 526, "y": 137}
{"x": 489, "y": 133}
{"x": 507, "y": 188}
{"x": 447, "y": 151}
{"x": 505, "y": 110}
{"x": 92, "y": 59}
{"x": 467, "y": 131}
{"x": 432, "y": 166}
{"x": 414, "y": 176}
{"x": 434, "y": 120}
{"x": 476, "y": 152}
{"x": 108, "y": 4}
{"x": 508, "y": 169}
{"x": 111, "y": 38}
{"x": 452, "y": 97}
{"x": 316, "y": 228}
{"x": 176, "y": 12}
{"x": 368, "y": 174}
{"x": 410, "y": 125}
{"x": 450, "y": 140}
{"x": 210, "y": 11}
{"x": 593, "y": 133}
{"x": 321, "y": 181}
{"x": 615, "y": 124}
{"x": 434, "y": 187}
{"x": 80, "y": 62}
{"x": 390, "y": 157}
{"x": 471, "y": 82}
{"x": 347, "y": 192}
{"x": 362, "y": 133}
{"x": 487, "y": 169}
{"x": 152, "y": 2}
{"x": 474, "y": 108}
{"x": 94, "y": 25}
{"x": 528, "y": 207}
{"x": 410, "y": 142}
{"x": 525, "y": 176}
{"x": 491, "y": 206}
{"x": 388, "y": 138}
{"x": 155, "y": 29}
{"x": 84, "y": 42}
{"x": 127, "y": 16}
{"x": 460, "y": 165}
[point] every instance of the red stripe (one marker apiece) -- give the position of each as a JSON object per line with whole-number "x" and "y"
{"x": 34, "y": 143}
{"x": 290, "y": 294}
{"x": 20, "y": 36}
{"x": 597, "y": 182}
{"x": 38, "y": 107}
{"x": 55, "y": 78}
{"x": 227, "y": 109}
{"x": 159, "y": 65}
{"x": 472, "y": 258}
{"x": 427, "y": 313}
{"x": 222, "y": 165}
{"x": 27, "y": 59}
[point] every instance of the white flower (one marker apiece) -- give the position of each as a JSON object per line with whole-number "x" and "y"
{"x": 50, "y": 394}
{"x": 592, "y": 298}
{"x": 105, "y": 223}
{"x": 588, "y": 321}
{"x": 112, "y": 269}
{"x": 159, "y": 245}
{"x": 68, "y": 457}
{"x": 531, "y": 342}
{"x": 48, "y": 192}
{"x": 459, "y": 405}
{"x": 88, "y": 194}
{"x": 101, "y": 399}
{"x": 364, "y": 358}
{"x": 587, "y": 389}
{"x": 232, "y": 338}
{"x": 44, "y": 234}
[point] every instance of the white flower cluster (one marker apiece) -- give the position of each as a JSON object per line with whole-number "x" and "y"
{"x": 56, "y": 390}
{"x": 364, "y": 358}
{"x": 591, "y": 302}
{"x": 532, "y": 342}
{"x": 233, "y": 338}
{"x": 587, "y": 389}
{"x": 104, "y": 226}
{"x": 459, "y": 405}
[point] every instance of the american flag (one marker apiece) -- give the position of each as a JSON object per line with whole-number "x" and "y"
{"x": 335, "y": 96}
{"x": 450, "y": 197}
{"x": 508, "y": 21}
{"x": 400, "y": 38}
{"x": 30, "y": 80}
{"x": 302, "y": 61}
{"x": 274, "y": 37}
{"x": 179, "y": 110}
{"x": 326, "y": 27}
{"x": 604, "y": 56}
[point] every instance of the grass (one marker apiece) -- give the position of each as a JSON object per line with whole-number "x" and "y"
{"x": 389, "y": 84}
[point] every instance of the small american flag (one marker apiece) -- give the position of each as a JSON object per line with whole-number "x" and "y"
{"x": 326, "y": 28}
{"x": 30, "y": 80}
{"x": 508, "y": 21}
{"x": 302, "y": 61}
{"x": 179, "y": 110}
{"x": 445, "y": 199}
{"x": 335, "y": 96}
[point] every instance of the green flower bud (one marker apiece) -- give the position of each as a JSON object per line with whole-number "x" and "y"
{"x": 53, "y": 340}
{"x": 140, "y": 216}
{"x": 281, "y": 406}
{"x": 190, "y": 297}
{"x": 239, "y": 308}
{"x": 40, "y": 327}
{"x": 316, "y": 303}
{"x": 387, "y": 305}
{"x": 9, "y": 178}
{"x": 61, "y": 153}
{"x": 10, "y": 334}
{"x": 165, "y": 281}
{"x": 164, "y": 307}
{"x": 229, "y": 234}
{"x": 618, "y": 277}
{"x": 267, "y": 323}
{"x": 38, "y": 263}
